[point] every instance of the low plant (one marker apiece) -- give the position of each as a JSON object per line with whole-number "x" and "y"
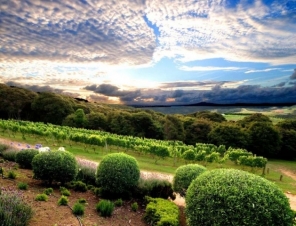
{"x": 24, "y": 158}
{"x": 41, "y": 197}
{"x": 64, "y": 191}
{"x": 87, "y": 172}
{"x": 105, "y": 208}
{"x": 13, "y": 210}
{"x": 135, "y": 206}
{"x": 10, "y": 154}
{"x": 48, "y": 191}
{"x": 11, "y": 174}
{"x": 79, "y": 186}
{"x": 78, "y": 209}
{"x": 22, "y": 186}
{"x": 63, "y": 201}
{"x": 161, "y": 212}
{"x": 97, "y": 191}
{"x": 3, "y": 147}
{"x": 155, "y": 188}
{"x": 118, "y": 202}
{"x": 82, "y": 200}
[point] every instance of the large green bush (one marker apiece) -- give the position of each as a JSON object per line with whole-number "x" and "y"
{"x": 233, "y": 197}
{"x": 59, "y": 166}
{"x": 117, "y": 174}
{"x": 24, "y": 158}
{"x": 185, "y": 175}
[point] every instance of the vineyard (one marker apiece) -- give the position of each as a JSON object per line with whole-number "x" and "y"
{"x": 158, "y": 149}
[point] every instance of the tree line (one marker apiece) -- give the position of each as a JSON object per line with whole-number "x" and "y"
{"x": 256, "y": 132}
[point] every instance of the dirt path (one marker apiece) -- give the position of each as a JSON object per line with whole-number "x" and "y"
{"x": 145, "y": 174}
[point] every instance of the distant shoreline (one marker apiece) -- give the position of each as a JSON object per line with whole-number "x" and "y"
{"x": 219, "y": 105}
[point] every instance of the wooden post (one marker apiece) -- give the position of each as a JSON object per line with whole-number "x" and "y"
{"x": 281, "y": 177}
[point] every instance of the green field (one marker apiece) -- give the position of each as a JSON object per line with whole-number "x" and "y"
{"x": 274, "y": 169}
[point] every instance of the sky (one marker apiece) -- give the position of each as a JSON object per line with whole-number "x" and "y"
{"x": 151, "y": 52}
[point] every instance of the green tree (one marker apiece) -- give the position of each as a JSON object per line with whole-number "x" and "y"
{"x": 264, "y": 139}
{"x": 173, "y": 128}
{"x": 97, "y": 120}
{"x": 51, "y": 108}
{"x": 212, "y": 116}
{"x": 198, "y": 132}
{"x": 288, "y": 145}
{"x": 229, "y": 135}
{"x": 257, "y": 117}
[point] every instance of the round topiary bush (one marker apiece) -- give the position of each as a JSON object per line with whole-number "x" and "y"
{"x": 117, "y": 174}
{"x": 24, "y": 158}
{"x": 59, "y": 166}
{"x": 185, "y": 175}
{"x": 234, "y": 197}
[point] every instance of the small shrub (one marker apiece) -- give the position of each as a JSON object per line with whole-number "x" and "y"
{"x": 79, "y": 186}
{"x": 64, "y": 191}
{"x": 13, "y": 210}
{"x": 11, "y": 174}
{"x": 41, "y": 197}
{"x": 82, "y": 201}
{"x": 105, "y": 208}
{"x": 78, "y": 209}
{"x": 97, "y": 191}
{"x": 161, "y": 212}
{"x": 22, "y": 186}
{"x": 10, "y": 154}
{"x": 86, "y": 173}
{"x": 48, "y": 191}
{"x": 90, "y": 187}
{"x": 184, "y": 176}
{"x": 118, "y": 202}
{"x": 155, "y": 188}
{"x": 59, "y": 166}
{"x": 63, "y": 201}
{"x": 135, "y": 206}
{"x": 3, "y": 147}
{"x": 234, "y": 197}
{"x": 117, "y": 174}
{"x": 24, "y": 158}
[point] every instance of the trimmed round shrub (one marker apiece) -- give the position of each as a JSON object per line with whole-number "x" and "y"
{"x": 234, "y": 197}
{"x": 59, "y": 166}
{"x": 184, "y": 175}
{"x": 24, "y": 158}
{"x": 117, "y": 174}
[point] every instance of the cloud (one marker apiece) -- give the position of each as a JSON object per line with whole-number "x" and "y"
{"x": 114, "y": 91}
{"x": 71, "y": 31}
{"x": 293, "y": 76}
{"x": 281, "y": 84}
{"x": 195, "y": 30}
{"x": 263, "y": 70}
{"x": 186, "y": 68}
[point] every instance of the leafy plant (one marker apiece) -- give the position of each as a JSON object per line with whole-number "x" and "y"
{"x": 41, "y": 197}
{"x": 82, "y": 200}
{"x": 79, "y": 186}
{"x": 105, "y": 208}
{"x": 48, "y": 191}
{"x": 11, "y": 174}
{"x": 117, "y": 174}
{"x": 78, "y": 209}
{"x": 185, "y": 175}
{"x": 155, "y": 188}
{"x": 63, "y": 201}
{"x": 22, "y": 186}
{"x": 13, "y": 210}
{"x": 24, "y": 158}
{"x": 9, "y": 154}
{"x": 64, "y": 191}
{"x": 135, "y": 206}
{"x": 59, "y": 166}
{"x": 161, "y": 212}
{"x": 235, "y": 197}
{"x": 118, "y": 202}
{"x": 3, "y": 147}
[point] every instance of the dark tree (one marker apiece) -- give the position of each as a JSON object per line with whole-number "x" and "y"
{"x": 198, "y": 132}
{"x": 257, "y": 117}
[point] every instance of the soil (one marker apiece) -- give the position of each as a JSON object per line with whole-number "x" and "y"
{"x": 50, "y": 213}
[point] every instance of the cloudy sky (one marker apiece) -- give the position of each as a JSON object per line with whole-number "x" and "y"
{"x": 151, "y": 51}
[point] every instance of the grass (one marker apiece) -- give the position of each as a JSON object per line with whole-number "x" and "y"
{"x": 147, "y": 163}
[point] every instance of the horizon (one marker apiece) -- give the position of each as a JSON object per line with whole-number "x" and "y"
{"x": 152, "y": 52}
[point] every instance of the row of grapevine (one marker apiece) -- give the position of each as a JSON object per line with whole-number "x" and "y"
{"x": 157, "y": 148}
